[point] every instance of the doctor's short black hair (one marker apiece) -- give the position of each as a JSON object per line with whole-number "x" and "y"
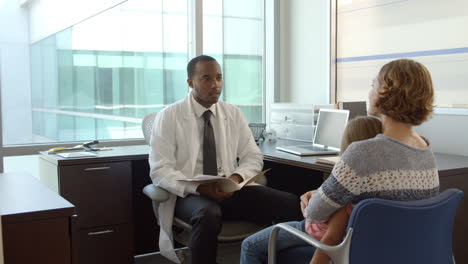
{"x": 194, "y": 61}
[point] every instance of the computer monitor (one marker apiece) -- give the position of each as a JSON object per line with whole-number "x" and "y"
{"x": 331, "y": 124}
{"x": 358, "y": 108}
{"x": 327, "y": 137}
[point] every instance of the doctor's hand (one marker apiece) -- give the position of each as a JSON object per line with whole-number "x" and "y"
{"x": 236, "y": 177}
{"x": 305, "y": 201}
{"x": 212, "y": 190}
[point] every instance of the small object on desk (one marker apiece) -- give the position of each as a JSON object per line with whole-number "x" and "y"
{"x": 91, "y": 145}
{"x": 271, "y": 135}
{"x": 101, "y": 149}
{"x": 329, "y": 160}
{"x": 57, "y": 149}
{"x": 76, "y": 154}
{"x": 64, "y": 149}
{"x": 88, "y": 146}
{"x": 257, "y": 131}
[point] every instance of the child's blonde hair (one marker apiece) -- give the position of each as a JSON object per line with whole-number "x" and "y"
{"x": 360, "y": 128}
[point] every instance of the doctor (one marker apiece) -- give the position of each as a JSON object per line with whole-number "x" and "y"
{"x": 201, "y": 135}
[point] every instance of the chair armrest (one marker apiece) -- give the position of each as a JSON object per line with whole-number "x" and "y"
{"x": 338, "y": 253}
{"x": 156, "y": 193}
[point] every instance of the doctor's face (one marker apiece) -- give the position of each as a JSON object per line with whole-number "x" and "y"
{"x": 206, "y": 82}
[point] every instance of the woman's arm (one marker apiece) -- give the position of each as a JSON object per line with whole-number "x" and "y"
{"x": 333, "y": 236}
{"x": 305, "y": 201}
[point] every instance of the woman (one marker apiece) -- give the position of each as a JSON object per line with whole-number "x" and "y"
{"x": 397, "y": 165}
{"x": 331, "y": 232}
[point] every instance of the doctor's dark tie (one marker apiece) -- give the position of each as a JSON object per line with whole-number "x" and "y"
{"x": 209, "y": 147}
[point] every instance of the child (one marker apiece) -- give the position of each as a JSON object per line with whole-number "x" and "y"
{"x": 360, "y": 128}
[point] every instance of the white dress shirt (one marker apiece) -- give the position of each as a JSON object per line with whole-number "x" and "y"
{"x": 199, "y": 110}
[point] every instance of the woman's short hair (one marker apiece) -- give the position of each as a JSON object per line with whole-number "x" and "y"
{"x": 406, "y": 93}
{"x": 360, "y": 128}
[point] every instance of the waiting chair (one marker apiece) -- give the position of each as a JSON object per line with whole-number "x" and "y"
{"x": 232, "y": 231}
{"x": 384, "y": 231}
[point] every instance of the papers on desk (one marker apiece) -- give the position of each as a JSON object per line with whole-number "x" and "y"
{"x": 79, "y": 154}
{"x": 328, "y": 160}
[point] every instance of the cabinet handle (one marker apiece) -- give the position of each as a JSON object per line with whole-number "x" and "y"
{"x": 100, "y": 232}
{"x": 97, "y": 168}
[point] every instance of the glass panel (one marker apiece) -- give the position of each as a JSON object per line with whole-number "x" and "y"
{"x": 85, "y": 128}
{"x": 233, "y": 34}
{"x": 97, "y": 79}
{"x": 243, "y": 8}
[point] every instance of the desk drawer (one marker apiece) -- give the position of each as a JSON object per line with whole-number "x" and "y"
{"x": 101, "y": 192}
{"x": 108, "y": 244}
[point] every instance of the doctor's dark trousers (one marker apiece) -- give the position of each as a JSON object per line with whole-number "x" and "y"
{"x": 257, "y": 204}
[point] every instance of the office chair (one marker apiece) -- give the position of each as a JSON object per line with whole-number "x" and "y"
{"x": 231, "y": 232}
{"x": 388, "y": 232}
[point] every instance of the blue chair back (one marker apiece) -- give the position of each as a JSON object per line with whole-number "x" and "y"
{"x": 412, "y": 232}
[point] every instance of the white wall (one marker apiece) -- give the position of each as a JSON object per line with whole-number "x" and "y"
{"x": 48, "y": 17}
{"x": 14, "y": 72}
{"x": 447, "y": 133}
{"x": 304, "y": 51}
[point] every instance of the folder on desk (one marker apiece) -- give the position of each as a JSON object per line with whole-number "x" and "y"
{"x": 80, "y": 154}
{"x": 328, "y": 160}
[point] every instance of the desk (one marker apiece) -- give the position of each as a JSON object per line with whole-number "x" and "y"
{"x": 453, "y": 171}
{"x": 35, "y": 223}
{"x": 308, "y": 162}
{"x": 447, "y": 164}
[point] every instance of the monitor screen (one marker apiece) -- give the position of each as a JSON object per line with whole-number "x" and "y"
{"x": 330, "y": 127}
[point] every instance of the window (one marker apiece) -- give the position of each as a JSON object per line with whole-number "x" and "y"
{"x": 373, "y": 32}
{"x": 233, "y": 34}
{"x": 98, "y": 78}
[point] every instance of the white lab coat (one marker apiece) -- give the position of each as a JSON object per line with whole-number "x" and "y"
{"x": 175, "y": 145}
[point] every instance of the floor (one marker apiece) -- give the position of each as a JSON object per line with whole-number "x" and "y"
{"x": 227, "y": 254}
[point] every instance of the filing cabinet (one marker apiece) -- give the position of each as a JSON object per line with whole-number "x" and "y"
{"x": 102, "y": 194}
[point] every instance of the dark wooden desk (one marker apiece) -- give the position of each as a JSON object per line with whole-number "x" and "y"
{"x": 36, "y": 223}
{"x": 447, "y": 164}
{"x": 453, "y": 171}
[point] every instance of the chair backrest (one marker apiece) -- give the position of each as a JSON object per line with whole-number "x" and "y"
{"x": 147, "y": 126}
{"x": 387, "y": 231}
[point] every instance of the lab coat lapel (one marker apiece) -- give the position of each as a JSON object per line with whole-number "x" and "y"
{"x": 189, "y": 127}
{"x": 223, "y": 140}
